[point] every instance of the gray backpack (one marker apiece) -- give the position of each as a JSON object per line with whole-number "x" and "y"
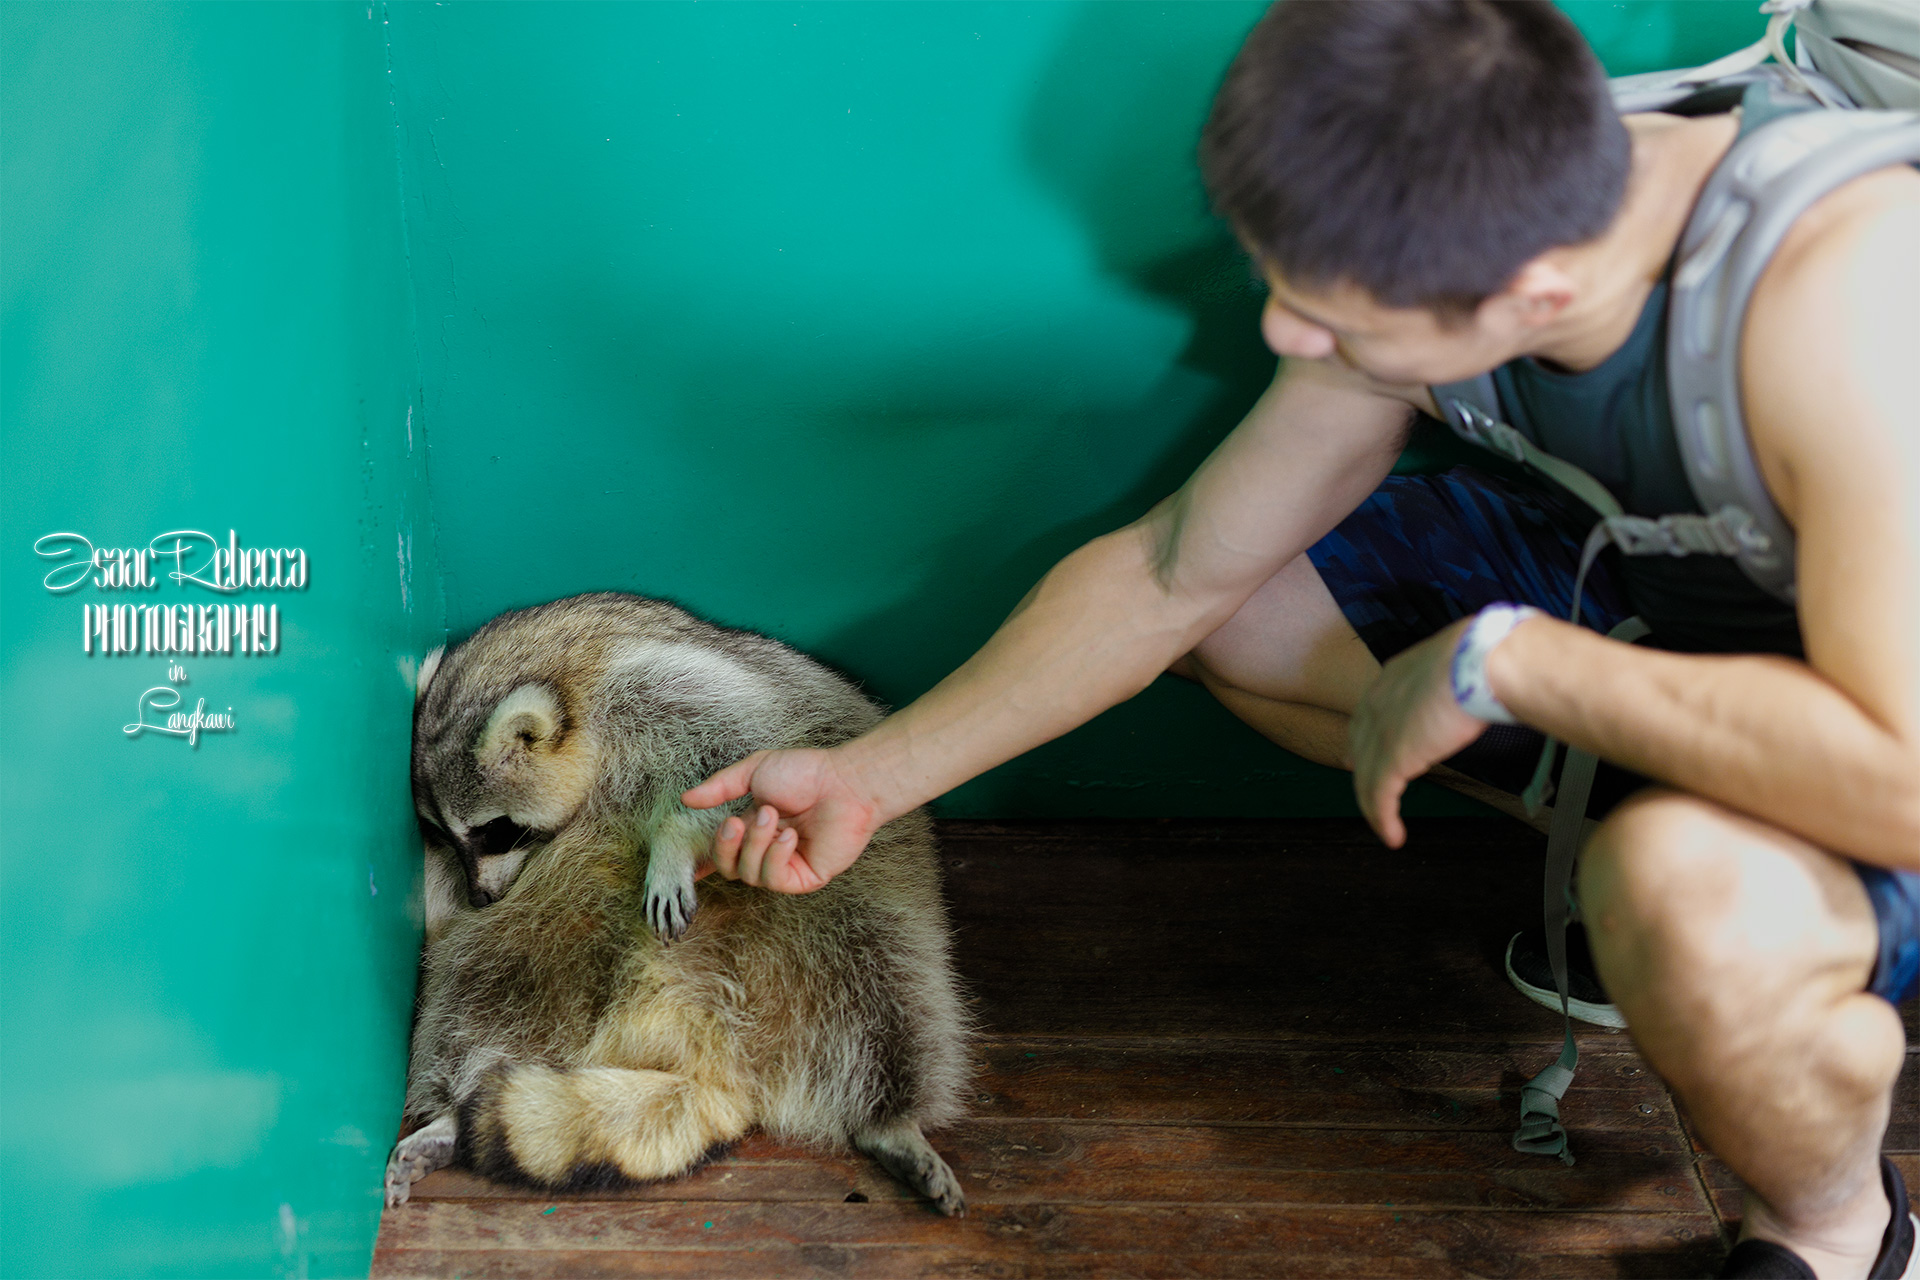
{"x": 1859, "y": 61}
{"x": 1856, "y": 50}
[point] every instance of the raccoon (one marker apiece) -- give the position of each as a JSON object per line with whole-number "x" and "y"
{"x": 587, "y": 1013}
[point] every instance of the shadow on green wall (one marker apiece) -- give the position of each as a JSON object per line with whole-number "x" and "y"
{"x": 1115, "y": 151}
{"x": 1111, "y": 133}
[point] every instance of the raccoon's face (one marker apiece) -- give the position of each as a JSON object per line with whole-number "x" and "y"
{"x": 499, "y": 783}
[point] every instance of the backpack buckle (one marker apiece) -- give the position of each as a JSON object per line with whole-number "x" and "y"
{"x": 1729, "y": 531}
{"x": 1488, "y": 432}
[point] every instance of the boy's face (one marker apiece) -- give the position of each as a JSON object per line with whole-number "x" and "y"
{"x": 1398, "y": 346}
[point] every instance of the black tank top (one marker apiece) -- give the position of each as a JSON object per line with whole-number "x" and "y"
{"x": 1615, "y": 422}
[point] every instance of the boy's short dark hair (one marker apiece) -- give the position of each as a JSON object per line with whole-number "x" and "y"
{"x": 1423, "y": 150}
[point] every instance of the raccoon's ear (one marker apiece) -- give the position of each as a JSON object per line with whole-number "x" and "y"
{"x": 527, "y": 720}
{"x": 428, "y": 665}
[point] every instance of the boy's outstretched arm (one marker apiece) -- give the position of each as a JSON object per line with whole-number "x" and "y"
{"x": 1093, "y": 632}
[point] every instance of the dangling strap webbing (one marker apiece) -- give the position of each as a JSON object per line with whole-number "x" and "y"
{"x": 1723, "y": 533}
{"x": 1471, "y": 407}
{"x": 1540, "y": 1131}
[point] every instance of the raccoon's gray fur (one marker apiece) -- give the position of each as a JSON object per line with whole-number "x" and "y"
{"x": 586, "y": 1011}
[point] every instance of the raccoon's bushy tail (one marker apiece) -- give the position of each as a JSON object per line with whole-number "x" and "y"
{"x": 594, "y": 1125}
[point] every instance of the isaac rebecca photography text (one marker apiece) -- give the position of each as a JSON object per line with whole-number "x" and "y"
{"x": 191, "y": 560}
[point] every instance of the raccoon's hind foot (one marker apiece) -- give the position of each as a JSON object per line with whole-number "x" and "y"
{"x": 419, "y": 1154}
{"x": 669, "y": 898}
{"x": 904, "y": 1152}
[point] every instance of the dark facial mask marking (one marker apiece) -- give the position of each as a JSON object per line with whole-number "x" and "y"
{"x": 502, "y": 835}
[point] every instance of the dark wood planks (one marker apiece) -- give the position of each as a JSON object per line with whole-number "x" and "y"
{"x": 1030, "y": 1162}
{"x": 1212, "y": 1049}
{"x": 849, "y": 1239}
{"x": 1305, "y": 929}
{"x": 1290, "y": 1082}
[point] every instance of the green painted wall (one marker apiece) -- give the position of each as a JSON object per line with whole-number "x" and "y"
{"x": 206, "y": 326}
{"x": 838, "y": 321}
{"x": 844, "y": 321}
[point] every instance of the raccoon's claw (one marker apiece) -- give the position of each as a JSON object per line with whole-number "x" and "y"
{"x": 943, "y": 1189}
{"x": 669, "y": 906}
{"x": 400, "y": 1182}
{"x": 416, "y": 1156}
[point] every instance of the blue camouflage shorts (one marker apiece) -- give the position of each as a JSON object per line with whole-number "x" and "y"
{"x": 1425, "y": 551}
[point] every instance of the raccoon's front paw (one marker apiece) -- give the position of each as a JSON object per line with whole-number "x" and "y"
{"x": 417, "y": 1155}
{"x": 670, "y": 901}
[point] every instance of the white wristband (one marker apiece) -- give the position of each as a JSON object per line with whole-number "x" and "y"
{"x": 1470, "y": 688}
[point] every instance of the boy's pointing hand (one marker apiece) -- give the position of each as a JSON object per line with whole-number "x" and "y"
{"x": 808, "y": 823}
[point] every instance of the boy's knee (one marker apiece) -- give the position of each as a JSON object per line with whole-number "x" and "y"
{"x": 1711, "y": 925}
{"x": 1288, "y": 642}
{"x": 1664, "y": 888}
{"x": 1187, "y": 667}
{"x": 1217, "y": 659}
{"x": 1230, "y": 658}
{"x": 1656, "y": 866}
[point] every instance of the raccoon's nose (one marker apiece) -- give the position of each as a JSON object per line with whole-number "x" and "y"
{"x": 478, "y": 897}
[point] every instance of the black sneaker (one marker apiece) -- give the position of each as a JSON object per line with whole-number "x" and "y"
{"x": 1532, "y": 976}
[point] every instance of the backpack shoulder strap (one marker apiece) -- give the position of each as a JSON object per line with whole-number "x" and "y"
{"x": 1472, "y": 408}
{"x": 1768, "y": 179}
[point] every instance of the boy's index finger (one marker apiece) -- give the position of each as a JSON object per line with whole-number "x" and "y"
{"x": 729, "y": 784}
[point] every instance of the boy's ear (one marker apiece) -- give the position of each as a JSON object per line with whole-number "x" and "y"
{"x": 1539, "y": 293}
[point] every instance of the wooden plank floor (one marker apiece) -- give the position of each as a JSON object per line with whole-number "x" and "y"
{"x": 1211, "y": 1049}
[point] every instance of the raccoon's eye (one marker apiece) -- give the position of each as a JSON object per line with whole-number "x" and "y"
{"x": 502, "y": 835}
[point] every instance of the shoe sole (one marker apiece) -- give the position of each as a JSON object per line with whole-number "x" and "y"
{"x": 1600, "y": 1015}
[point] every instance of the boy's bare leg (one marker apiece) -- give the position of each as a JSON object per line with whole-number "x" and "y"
{"x": 1740, "y": 956}
{"x": 1291, "y": 665}
{"x": 1289, "y": 644}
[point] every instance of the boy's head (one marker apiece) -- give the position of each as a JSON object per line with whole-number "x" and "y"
{"x": 1418, "y": 151}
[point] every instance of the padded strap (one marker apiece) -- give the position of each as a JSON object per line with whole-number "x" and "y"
{"x": 1752, "y": 199}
